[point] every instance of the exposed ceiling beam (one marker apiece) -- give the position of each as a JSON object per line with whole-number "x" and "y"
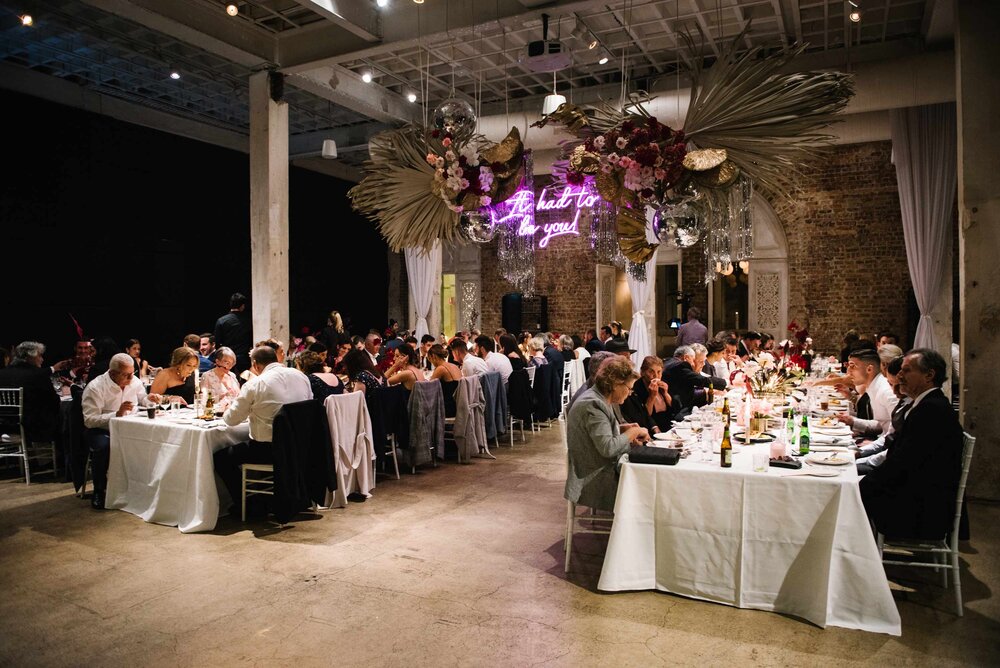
{"x": 200, "y": 25}
{"x": 345, "y": 88}
{"x": 353, "y": 135}
{"x": 334, "y": 168}
{"x": 312, "y": 44}
{"x": 409, "y": 25}
{"x": 358, "y": 18}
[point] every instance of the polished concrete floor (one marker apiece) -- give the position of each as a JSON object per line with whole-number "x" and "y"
{"x": 456, "y": 566}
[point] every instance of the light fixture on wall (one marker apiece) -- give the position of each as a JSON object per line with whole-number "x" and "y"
{"x": 232, "y": 9}
{"x": 553, "y": 100}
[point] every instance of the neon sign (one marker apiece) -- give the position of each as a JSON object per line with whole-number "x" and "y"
{"x": 520, "y": 209}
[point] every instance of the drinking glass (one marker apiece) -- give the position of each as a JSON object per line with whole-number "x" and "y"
{"x": 761, "y": 455}
{"x": 708, "y": 444}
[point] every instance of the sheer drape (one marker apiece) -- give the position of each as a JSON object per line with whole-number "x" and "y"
{"x": 638, "y": 333}
{"x": 924, "y": 152}
{"x": 422, "y": 272}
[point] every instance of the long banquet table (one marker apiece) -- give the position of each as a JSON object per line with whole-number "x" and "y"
{"x": 768, "y": 541}
{"x": 162, "y": 469}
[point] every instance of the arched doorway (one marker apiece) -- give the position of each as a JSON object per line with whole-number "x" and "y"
{"x": 763, "y": 292}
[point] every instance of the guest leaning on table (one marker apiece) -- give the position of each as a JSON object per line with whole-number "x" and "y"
{"x": 112, "y": 394}
{"x": 596, "y": 440}
{"x": 272, "y": 386}
{"x": 177, "y": 380}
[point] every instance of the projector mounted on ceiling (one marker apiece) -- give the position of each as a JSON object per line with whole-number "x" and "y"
{"x": 546, "y": 55}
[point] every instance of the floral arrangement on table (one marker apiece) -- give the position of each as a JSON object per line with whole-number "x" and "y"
{"x": 767, "y": 377}
{"x": 798, "y": 348}
{"x": 749, "y": 123}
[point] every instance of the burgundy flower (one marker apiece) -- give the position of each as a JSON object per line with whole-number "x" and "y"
{"x": 574, "y": 178}
{"x": 627, "y": 127}
{"x": 435, "y": 133}
{"x": 646, "y": 156}
{"x": 462, "y": 160}
{"x": 646, "y": 193}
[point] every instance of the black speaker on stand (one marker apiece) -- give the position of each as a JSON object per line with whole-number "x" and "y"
{"x": 510, "y": 312}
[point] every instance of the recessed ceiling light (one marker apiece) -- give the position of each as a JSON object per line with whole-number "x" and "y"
{"x": 175, "y": 75}
{"x": 855, "y": 16}
{"x": 603, "y": 61}
{"x": 27, "y": 20}
{"x": 593, "y": 44}
{"x": 418, "y": 2}
{"x": 367, "y": 77}
{"x": 382, "y": 3}
{"x": 232, "y": 9}
{"x": 412, "y": 97}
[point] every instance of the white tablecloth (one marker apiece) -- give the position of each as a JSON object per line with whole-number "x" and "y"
{"x": 798, "y": 545}
{"x": 162, "y": 470}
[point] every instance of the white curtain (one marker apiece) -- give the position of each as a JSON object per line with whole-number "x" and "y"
{"x": 638, "y": 332}
{"x": 422, "y": 271}
{"x": 925, "y": 154}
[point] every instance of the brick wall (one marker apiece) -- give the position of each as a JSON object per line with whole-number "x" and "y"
{"x": 846, "y": 255}
{"x": 564, "y": 272}
{"x": 847, "y": 259}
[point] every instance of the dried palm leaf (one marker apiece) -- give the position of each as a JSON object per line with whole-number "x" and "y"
{"x": 396, "y": 192}
{"x": 631, "y": 225}
{"x": 769, "y": 122}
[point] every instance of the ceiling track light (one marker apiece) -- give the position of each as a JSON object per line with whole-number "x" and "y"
{"x": 411, "y": 97}
{"x": 232, "y": 9}
{"x": 855, "y": 16}
{"x": 175, "y": 75}
{"x": 603, "y": 60}
{"x": 382, "y": 3}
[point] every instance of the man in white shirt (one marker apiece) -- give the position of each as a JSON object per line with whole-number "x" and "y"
{"x": 471, "y": 365}
{"x": 112, "y": 394}
{"x": 486, "y": 350}
{"x": 864, "y": 369}
{"x": 260, "y": 400}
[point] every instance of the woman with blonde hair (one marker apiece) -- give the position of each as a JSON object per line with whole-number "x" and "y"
{"x": 177, "y": 380}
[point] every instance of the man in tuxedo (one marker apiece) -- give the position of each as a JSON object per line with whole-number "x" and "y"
{"x": 41, "y": 404}
{"x": 680, "y": 376}
{"x": 748, "y": 345}
{"x": 912, "y": 493}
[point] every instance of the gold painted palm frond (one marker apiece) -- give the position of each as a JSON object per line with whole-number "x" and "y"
{"x": 397, "y": 192}
{"x": 768, "y": 121}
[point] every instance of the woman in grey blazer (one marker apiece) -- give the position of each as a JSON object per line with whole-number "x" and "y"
{"x": 596, "y": 439}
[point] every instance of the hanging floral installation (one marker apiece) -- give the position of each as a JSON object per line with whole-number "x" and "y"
{"x": 423, "y": 183}
{"x": 748, "y": 125}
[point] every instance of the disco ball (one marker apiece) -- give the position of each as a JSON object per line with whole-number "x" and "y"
{"x": 679, "y": 222}
{"x": 455, "y": 116}
{"x": 476, "y": 227}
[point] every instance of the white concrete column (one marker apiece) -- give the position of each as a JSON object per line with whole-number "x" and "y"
{"x": 268, "y": 211}
{"x": 977, "y": 52}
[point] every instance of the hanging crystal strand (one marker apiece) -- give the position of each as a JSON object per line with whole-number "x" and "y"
{"x": 604, "y": 232}
{"x": 710, "y": 273}
{"x": 743, "y": 194}
{"x": 636, "y": 270}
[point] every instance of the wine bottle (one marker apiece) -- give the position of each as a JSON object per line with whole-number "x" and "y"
{"x": 210, "y": 405}
{"x": 725, "y": 411}
{"x": 710, "y": 393}
{"x": 726, "y": 449}
{"x": 804, "y": 436}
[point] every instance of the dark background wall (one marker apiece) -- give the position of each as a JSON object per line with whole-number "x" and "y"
{"x": 144, "y": 234}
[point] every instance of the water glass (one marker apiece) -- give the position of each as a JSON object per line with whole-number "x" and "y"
{"x": 708, "y": 444}
{"x": 175, "y": 405}
{"x": 761, "y": 455}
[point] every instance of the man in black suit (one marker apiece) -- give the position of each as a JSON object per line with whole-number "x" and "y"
{"x": 553, "y": 353}
{"x": 748, "y": 345}
{"x": 680, "y": 376}
{"x": 235, "y": 330}
{"x": 41, "y": 403}
{"x": 912, "y": 494}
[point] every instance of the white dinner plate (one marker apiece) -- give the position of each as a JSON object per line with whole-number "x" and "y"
{"x": 674, "y": 438}
{"x": 830, "y": 459}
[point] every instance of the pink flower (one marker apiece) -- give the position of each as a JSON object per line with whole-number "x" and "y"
{"x": 621, "y": 142}
{"x": 446, "y": 142}
{"x": 660, "y": 174}
{"x": 599, "y": 142}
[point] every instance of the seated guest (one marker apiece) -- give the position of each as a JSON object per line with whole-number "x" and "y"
{"x": 206, "y": 350}
{"x": 912, "y": 493}
{"x": 873, "y": 414}
{"x": 579, "y": 349}
{"x": 888, "y": 353}
{"x": 361, "y": 372}
{"x": 494, "y": 361}
{"x": 650, "y": 404}
{"x": 220, "y": 380}
{"x": 448, "y": 374}
{"x": 322, "y": 382}
{"x": 886, "y": 338}
{"x": 373, "y": 348}
{"x": 872, "y": 453}
{"x": 134, "y": 350}
{"x": 536, "y": 351}
{"x": 715, "y": 360}
{"x": 593, "y": 364}
{"x": 272, "y": 386}
{"x": 509, "y": 347}
{"x": 618, "y": 347}
{"x": 617, "y": 331}
{"x": 177, "y": 380}
{"x": 426, "y": 341}
{"x": 337, "y": 361}
{"x": 469, "y": 363}
{"x": 766, "y": 342}
{"x": 41, "y": 403}
{"x": 596, "y": 439}
{"x": 680, "y": 376}
{"x": 591, "y": 342}
{"x": 80, "y": 365}
{"x": 567, "y": 348}
{"x": 112, "y": 394}
{"x": 272, "y": 343}
{"x": 104, "y": 349}
{"x": 748, "y": 345}
{"x": 522, "y": 343}
{"x": 850, "y": 340}
{"x": 701, "y": 367}
{"x": 192, "y": 341}
{"x": 405, "y": 368}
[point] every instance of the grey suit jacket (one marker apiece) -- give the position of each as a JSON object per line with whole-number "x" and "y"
{"x": 594, "y": 447}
